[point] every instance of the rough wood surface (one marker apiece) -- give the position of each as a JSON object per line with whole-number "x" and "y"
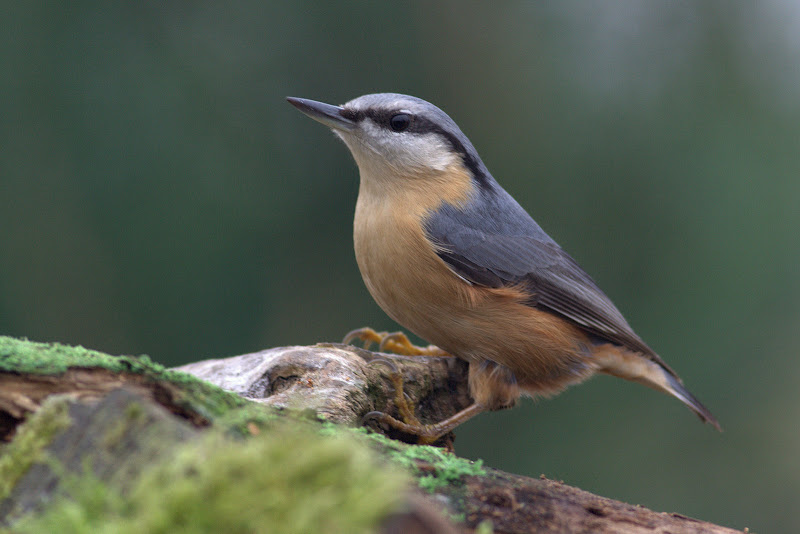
{"x": 342, "y": 383}
{"x": 339, "y": 382}
{"x": 118, "y": 435}
{"x": 517, "y": 504}
{"x": 21, "y": 394}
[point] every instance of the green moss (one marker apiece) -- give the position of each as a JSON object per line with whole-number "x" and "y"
{"x": 446, "y": 469}
{"x": 233, "y": 485}
{"x": 200, "y": 397}
{"x": 283, "y": 481}
{"x": 242, "y": 419}
{"x": 23, "y": 356}
{"x": 443, "y": 469}
{"x": 485, "y": 527}
{"x": 30, "y": 441}
{"x": 449, "y": 468}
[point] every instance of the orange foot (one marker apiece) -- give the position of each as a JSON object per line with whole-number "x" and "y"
{"x": 409, "y": 424}
{"x": 396, "y": 342}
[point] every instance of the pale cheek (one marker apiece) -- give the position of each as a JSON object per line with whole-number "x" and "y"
{"x": 420, "y": 154}
{"x": 403, "y": 153}
{"x": 440, "y": 160}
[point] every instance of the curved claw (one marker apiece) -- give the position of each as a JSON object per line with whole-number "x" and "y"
{"x": 374, "y": 417}
{"x": 399, "y": 343}
{"x": 402, "y": 401}
{"x": 396, "y": 342}
{"x": 385, "y": 420}
{"x": 426, "y": 434}
{"x": 383, "y": 361}
{"x": 366, "y": 334}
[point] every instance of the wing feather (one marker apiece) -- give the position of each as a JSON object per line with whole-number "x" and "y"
{"x": 495, "y": 243}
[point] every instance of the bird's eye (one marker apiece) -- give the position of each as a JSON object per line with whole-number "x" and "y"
{"x": 400, "y": 122}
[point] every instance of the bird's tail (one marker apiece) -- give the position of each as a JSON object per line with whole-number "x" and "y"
{"x": 637, "y": 367}
{"x": 677, "y": 390}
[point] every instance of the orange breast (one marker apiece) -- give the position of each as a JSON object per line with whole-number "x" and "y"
{"x": 418, "y": 290}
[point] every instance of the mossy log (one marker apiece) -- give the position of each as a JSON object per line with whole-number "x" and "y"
{"x": 117, "y": 444}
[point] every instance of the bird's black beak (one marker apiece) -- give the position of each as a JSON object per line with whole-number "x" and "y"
{"x": 330, "y": 116}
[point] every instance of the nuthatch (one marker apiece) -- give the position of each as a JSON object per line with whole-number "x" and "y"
{"x": 450, "y": 255}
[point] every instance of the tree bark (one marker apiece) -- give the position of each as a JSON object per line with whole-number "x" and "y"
{"x": 338, "y": 383}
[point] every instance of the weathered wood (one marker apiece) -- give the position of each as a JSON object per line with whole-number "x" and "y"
{"x": 522, "y": 505}
{"x": 342, "y": 383}
{"x": 121, "y": 421}
{"x": 347, "y": 387}
{"x": 21, "y": 394}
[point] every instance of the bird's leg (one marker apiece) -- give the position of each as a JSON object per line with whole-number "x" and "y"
{"x": 409, "y": 424}
{"x": 396, "y": 342}
{"x": 426, "y": 434}
{"x": 401, "y": 401}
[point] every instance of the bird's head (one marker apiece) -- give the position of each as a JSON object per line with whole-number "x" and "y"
{"x": 397, "y": 137}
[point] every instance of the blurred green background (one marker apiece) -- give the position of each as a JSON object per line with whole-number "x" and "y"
{"x": 158, "y": 195}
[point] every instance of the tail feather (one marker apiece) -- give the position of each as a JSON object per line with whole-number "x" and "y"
{"x": 618, "y": 361}
{"x": 677, "y": 390}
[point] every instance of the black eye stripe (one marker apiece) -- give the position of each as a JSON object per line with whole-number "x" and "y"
{"x": 383, "y": 117}
{"x": 355, "y": 116}
{"x": 422, "y": 125}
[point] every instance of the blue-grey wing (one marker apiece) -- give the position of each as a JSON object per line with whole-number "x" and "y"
{"x": 495, "y": 243}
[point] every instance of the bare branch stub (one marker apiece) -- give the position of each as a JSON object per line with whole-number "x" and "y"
{"x": 341, "y": 383}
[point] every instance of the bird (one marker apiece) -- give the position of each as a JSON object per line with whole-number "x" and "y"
{"x": 448, "y": 254}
